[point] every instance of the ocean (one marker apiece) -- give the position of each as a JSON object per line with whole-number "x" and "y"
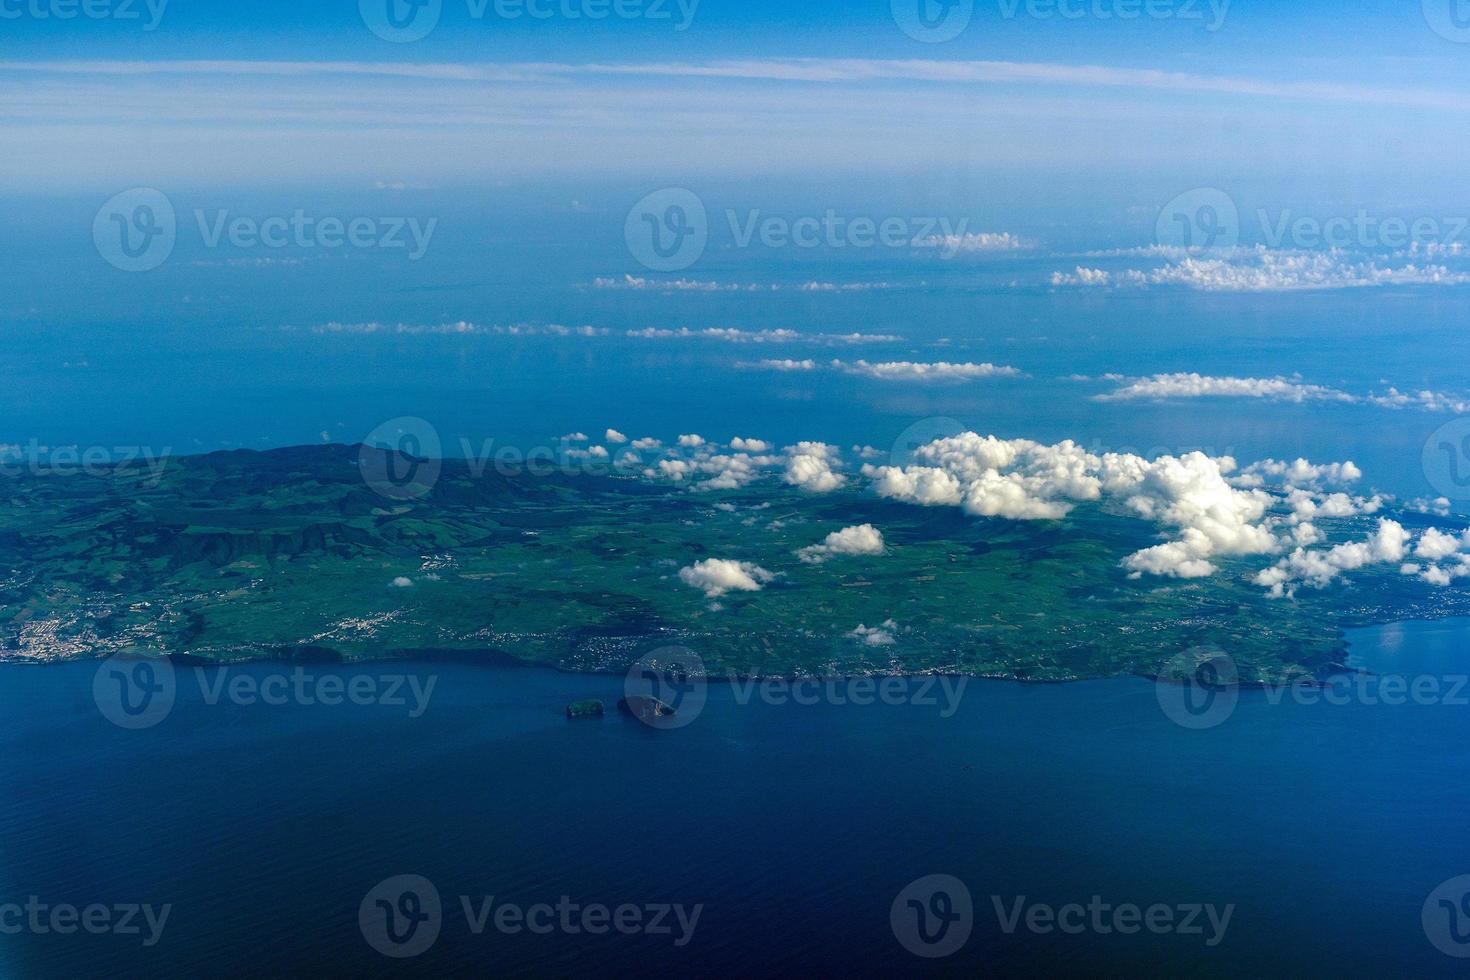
{"x": 785, "y": 832}
{"x": 235, "y": 347}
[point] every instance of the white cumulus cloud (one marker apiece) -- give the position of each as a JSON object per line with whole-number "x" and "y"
{"x": 876, "y": 636}
{"x": 810, "y": 466}
{"x": 940, "y": 371}
{"x": 1191, "y": 385}
{"x": 717, "y": 576}
{"x": 1319, "y": 569}
{"x": 862, "y": 539}
{"x": 1024, "y": 480}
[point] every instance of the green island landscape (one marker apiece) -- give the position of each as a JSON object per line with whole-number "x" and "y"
{"x": 292, "y": 554}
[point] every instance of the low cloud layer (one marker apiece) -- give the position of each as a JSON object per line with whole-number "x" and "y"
{"x": 717, "y": 576}
{"x": 863, "y": 539}
{"x": 1263, "y": 270}
{"x": 1160, "y": 387}
{"x": 1205, "y": 386}
{"x": 1207, "y": 510}
{"x": 646, "y": 284}
{"x": 1190, "y": 497}
{"x": 912, "y": 372}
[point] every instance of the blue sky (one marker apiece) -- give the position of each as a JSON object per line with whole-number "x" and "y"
{"x": 530, "y": 142}
{"x": 1358, "y": 100}
{"x": 1305, "y": 37}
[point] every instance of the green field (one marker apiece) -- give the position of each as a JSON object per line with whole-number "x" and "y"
{"x": 292, "y": 554}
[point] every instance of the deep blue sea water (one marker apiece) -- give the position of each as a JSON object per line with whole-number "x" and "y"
{"x": 216, "y": 348}
{"x": 1326, "y": 825}
{"x": 794, "y": 827}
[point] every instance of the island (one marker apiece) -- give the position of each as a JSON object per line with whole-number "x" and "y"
{"x": 292, "y": 554}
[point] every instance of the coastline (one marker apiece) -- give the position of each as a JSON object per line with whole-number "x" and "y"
{"x": 322, "y": 657}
